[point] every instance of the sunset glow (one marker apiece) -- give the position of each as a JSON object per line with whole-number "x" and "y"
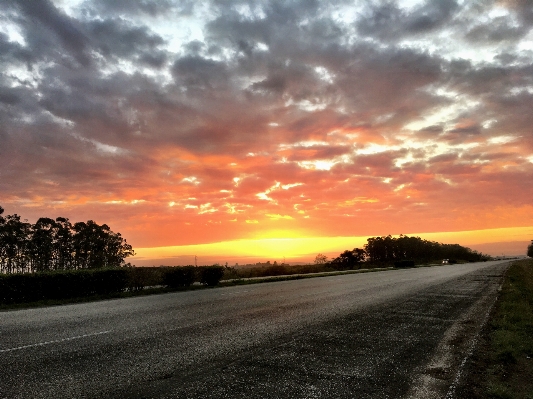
{"x": 236, "y": 131}
{"x": 305, "y": 249}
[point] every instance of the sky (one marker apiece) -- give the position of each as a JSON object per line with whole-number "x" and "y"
{"x": 239, "y": 129}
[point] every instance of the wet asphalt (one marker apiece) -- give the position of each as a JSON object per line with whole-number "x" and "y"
{"x": 369, "y": 335}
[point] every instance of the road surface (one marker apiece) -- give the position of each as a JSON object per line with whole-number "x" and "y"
{"x": 390, "y": 334}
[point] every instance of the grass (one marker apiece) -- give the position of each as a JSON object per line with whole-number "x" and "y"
{"x": 508, "y": 354}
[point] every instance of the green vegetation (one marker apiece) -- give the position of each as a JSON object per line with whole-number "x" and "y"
{"x": 509, "y": 353}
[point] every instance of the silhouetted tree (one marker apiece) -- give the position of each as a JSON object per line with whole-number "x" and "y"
{"x": 97, "y": 246}
{"x": 530, "y": 250}
{"x": 64, "y": 245}
{"x": 350, "y": 259}
{"x": 41, "y": 245}
{"x": 321, "y": 259}
{"x": 14, "y": 235}
{"x": 388, "y": 250}
{"x": 58, "y": 245}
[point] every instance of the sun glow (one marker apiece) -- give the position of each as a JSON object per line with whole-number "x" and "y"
{"x": 290, "y": 245}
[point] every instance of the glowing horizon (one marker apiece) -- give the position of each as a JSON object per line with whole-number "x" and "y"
{"x": 307, "y": 247}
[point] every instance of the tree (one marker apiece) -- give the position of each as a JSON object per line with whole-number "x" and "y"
{"x": 41, "y": 245}
{"x": 349, "y": 259}
{"x": 63, "y": 244}
{"x": 530, "y": 250}
{"x": 97, "y": 246}
{"x": 14, "y": 239}
{"x": 321, "y": 259}
{"x": 58, "y": 245}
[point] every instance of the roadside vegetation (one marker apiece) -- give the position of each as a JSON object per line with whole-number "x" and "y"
{"x": 56, "y": 260}
{"x": 502, "y": 366}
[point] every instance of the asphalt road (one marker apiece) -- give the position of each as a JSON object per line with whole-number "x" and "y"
{"x": 390, "y": 334}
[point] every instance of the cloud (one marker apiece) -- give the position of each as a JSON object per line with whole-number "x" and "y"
{"x": 62, "y": 29}
{"x": 390, "y": 22}
{"x": 153, "y": 8}
{"x": 371, "y": 120}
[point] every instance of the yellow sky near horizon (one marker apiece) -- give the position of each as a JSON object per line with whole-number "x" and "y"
{"x": 279, "y": 248}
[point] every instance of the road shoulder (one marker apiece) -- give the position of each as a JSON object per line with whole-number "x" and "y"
{"x": 502, "y": 364}
{"x": 445, "y": 372}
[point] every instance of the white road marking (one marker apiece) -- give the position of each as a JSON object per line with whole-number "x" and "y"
{"x": 233, "y": 293}
{"x": 54, "y": 342}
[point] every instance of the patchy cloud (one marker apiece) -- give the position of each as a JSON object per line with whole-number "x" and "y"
{"x": 248, "y": 117}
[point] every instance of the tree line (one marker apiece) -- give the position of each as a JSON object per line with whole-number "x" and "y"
{"x": 58, "y": 244}
{"x": 389, "y": 250}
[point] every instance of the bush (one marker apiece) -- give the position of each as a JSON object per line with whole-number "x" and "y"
{"x": 17, "y": 288}
{"x": 275, "y": 270}
{"x": 404, "y": 263}
{"x": 180, "y": 276}
{"x": 211, "y": 275}
{"x": 141, "y": 277}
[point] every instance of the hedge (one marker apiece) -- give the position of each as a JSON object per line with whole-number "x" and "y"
{"x": 16, "y": 288}
{"x": 142, "y": 277}
{"x": 211, "y": 275}
{"x": 175, "y": 277}
{"x": 404, "y": 263}
{"x": 32, "y": 287}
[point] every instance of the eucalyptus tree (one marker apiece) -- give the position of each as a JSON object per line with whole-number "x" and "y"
{"x": 63, "y": 244}
{"x": 97, "y": 246}
{"x": 41, "y": 245}
{"x": 58, "y": 245}
{"x": 14, "y": 238}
